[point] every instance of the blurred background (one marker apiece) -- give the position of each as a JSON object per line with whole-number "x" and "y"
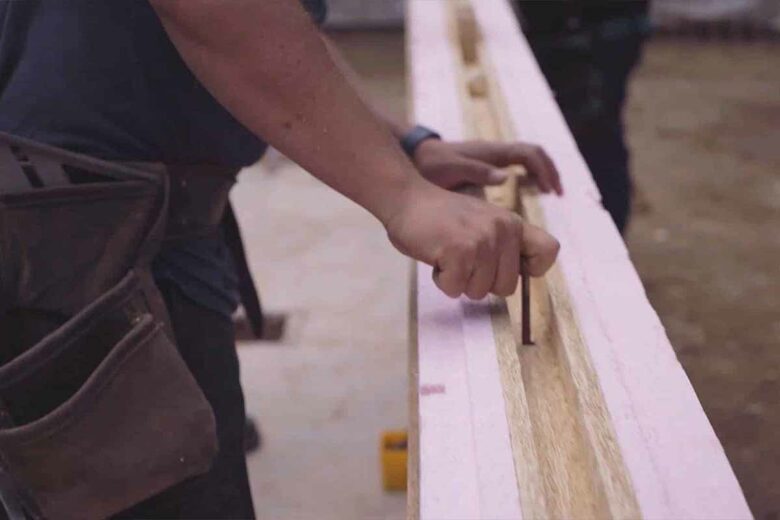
{"x": 698, "y": 85}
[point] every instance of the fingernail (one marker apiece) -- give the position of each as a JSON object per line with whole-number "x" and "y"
{"x": 497, "y": 176}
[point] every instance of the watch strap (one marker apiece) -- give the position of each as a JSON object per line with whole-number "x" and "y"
{"x": 415, "y": 136}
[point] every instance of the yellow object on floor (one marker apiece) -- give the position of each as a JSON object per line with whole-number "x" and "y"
{"x": 393, "y": 453}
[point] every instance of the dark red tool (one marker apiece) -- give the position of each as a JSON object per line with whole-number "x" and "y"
{"x": 525, "y": 320}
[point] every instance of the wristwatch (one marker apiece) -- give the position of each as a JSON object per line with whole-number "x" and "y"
{"x": 415, "y": 136}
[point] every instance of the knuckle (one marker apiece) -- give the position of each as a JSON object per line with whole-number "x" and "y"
{"x": 500, "y": 224}
{"x": 460, "y": 249}
{"x": 453, "y": 249}
{"x": 509, "y": 223}
{"x": 464, "y": 253}
{"x": 498, "y": 234}
{"x": 485, "y": 242}
{"x": 472, "y": 247}
{"x": 520, "y": 230}
{"x": 516, "y": 224}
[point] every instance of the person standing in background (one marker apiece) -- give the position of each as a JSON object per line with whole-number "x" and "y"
{"x": 587, "y": 50}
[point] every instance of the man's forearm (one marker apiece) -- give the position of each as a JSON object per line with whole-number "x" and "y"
{"x": 266, "y": 63}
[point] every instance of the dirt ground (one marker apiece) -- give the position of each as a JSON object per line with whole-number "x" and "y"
{"x": 704, "y": 125}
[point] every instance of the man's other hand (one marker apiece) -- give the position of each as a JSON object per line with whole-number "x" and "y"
{"x": 451, "y": 164}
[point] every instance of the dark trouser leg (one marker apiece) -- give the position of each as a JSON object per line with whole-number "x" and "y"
{"x": 605, "y": 150}
{"x": 607, "y": 158}
{"x": 207, "y": 344}
{"x": 590, "y": 85}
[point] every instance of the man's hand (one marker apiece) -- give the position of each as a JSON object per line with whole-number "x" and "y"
{"x": 451, "y": 164}
{"x": 475, "y": 248}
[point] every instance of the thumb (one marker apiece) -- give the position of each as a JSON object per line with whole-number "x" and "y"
{"x": 540, "y": 249}
{"x": 480, "y": 173}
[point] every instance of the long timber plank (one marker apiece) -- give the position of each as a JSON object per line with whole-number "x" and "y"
{"x": 676, "y": 465}
{"x": 465, "y": 468}
{"x": 598, "y": 420}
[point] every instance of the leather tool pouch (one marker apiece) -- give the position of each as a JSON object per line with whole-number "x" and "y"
{"x": 97, "y": 409}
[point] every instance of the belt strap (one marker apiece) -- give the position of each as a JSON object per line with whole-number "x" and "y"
{"x": 45, "y": 170}
{"x": 13, "y": 179}
{"x": 197, "y": 200}
{"x": 199, "y": 205}
{"x": 246, "y": 285}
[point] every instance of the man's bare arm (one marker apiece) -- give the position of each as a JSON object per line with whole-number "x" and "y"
{"x": 266, "y": 63}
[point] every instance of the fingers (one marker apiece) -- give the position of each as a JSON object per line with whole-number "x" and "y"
{"x": 535, "y": 164}
{"x": 471, "y": 171}
{"x": 539, "y": 165}
{"x": 509, "y": 262}
{"x": 488, "y": 263}
{"x": 540, "y": 249}
{"x": 554, "y": 176}
{"x": 484, "y": 273}
{"x": 453, "y": 271}
{"x": 492, "y": 264}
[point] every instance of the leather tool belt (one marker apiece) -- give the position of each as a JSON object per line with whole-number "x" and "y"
{"x": 97, "y": 409}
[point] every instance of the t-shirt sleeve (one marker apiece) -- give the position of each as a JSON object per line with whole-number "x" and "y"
{"x": 318, "y": 9}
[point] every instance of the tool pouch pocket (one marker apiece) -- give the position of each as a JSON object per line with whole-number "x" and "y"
{"x": 98, "y": 410}
{"x": 101, "y": 413}
{"x": 65, "y": 242}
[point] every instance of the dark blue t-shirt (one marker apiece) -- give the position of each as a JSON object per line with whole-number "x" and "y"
{"x": 101, "y": 77}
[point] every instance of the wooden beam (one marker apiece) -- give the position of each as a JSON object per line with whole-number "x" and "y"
{"x": 465, "y": 457}
{"x": 601, "y": 418}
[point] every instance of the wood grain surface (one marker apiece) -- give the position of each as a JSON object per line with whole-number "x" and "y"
{"x": 600, "y": 418}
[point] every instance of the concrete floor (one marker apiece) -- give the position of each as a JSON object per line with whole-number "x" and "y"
{"x": 703, "y": 122}
{"x": 324, "y": 394}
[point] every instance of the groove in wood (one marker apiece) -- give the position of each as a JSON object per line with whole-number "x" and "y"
{"x": 579, "y": 469}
